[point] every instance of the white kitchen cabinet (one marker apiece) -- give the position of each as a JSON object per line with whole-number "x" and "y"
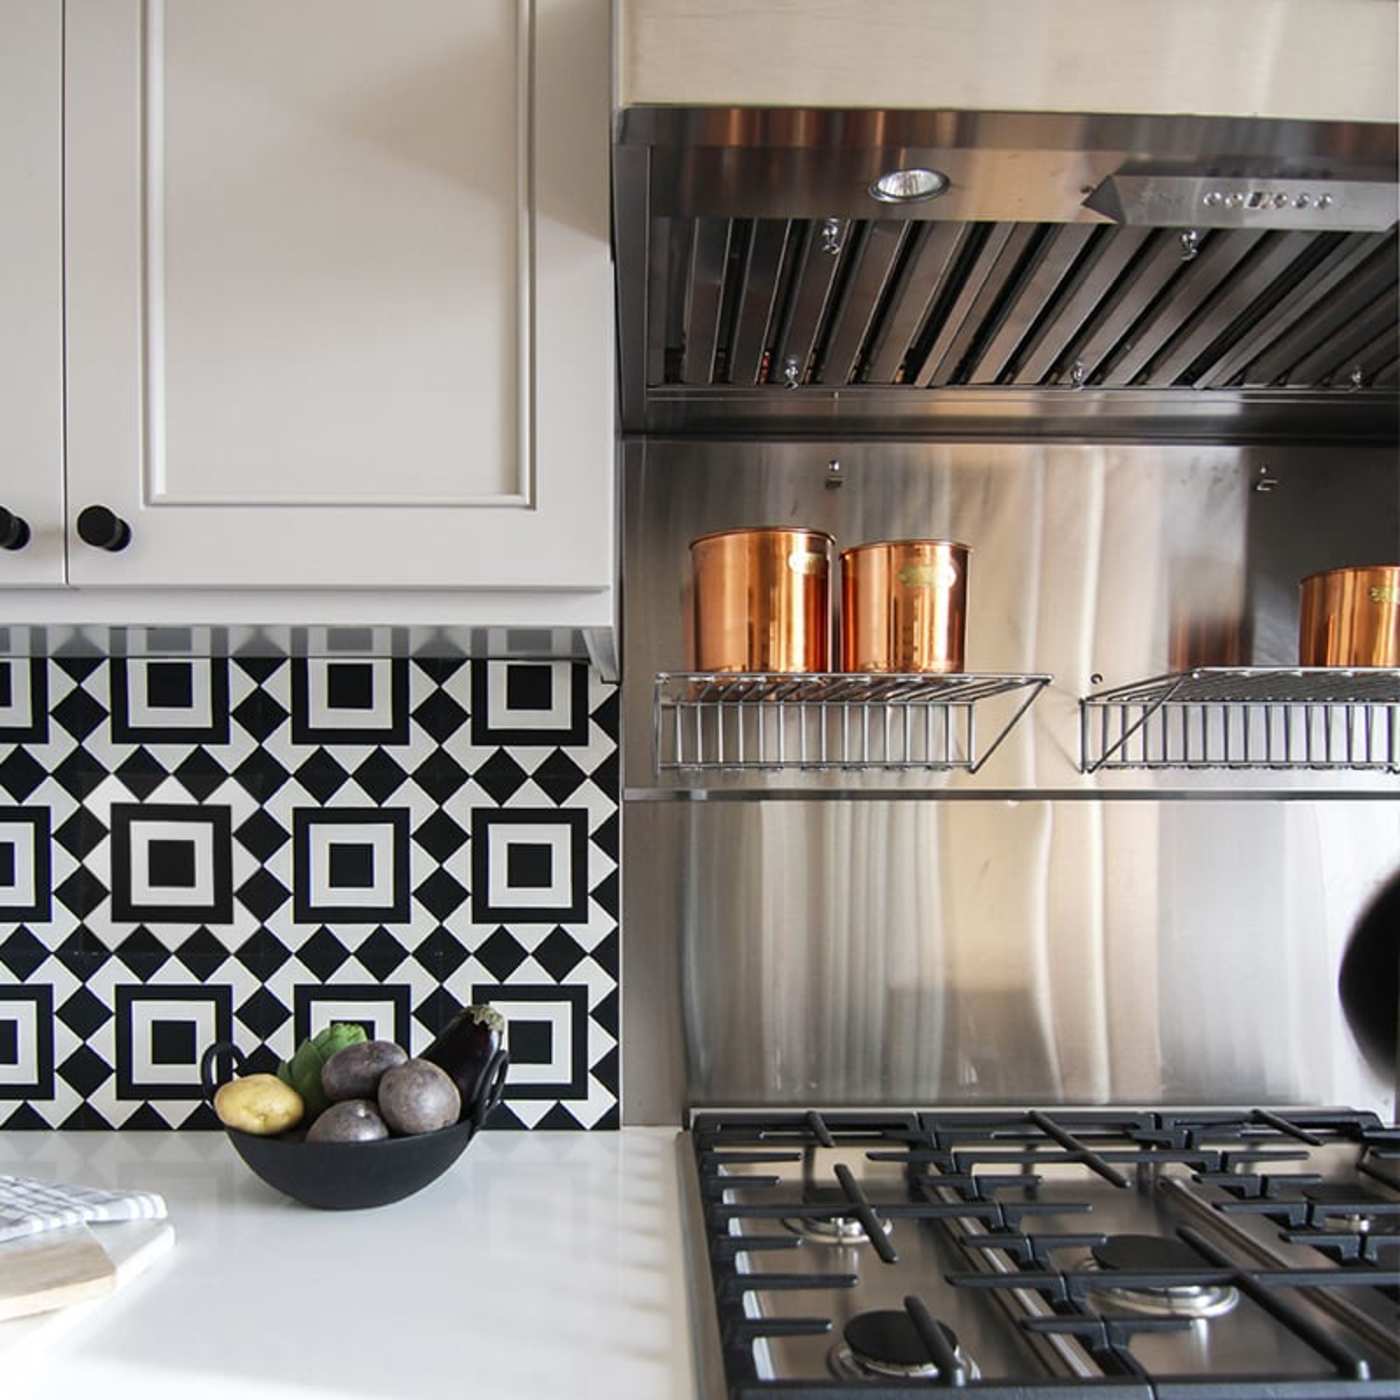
{"x": 31, "y": 288}
{"x": 339, "y": 293}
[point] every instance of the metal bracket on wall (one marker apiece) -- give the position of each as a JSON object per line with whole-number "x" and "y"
{"x": 601, "y": 643}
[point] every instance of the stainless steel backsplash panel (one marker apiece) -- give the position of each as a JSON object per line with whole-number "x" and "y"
{"x": 1049, "y": 936}
{"x": 876, "y": 952}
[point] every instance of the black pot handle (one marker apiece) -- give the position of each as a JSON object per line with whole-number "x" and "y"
{"x": 492, "y": 1088}
{"x": 220, "y": 1048}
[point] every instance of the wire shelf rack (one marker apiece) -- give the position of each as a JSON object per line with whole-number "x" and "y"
{"x": 1246, "y": 717}
{"x": 736, "y": 722}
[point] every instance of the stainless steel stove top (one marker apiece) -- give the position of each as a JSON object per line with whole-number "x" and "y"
{"x": 1141, "y": 1253}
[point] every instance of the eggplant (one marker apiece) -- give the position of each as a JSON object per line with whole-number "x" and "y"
{"x": 466, "y": 1049}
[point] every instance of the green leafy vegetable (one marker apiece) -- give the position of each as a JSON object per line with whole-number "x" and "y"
{"x": 303, "y": 1070}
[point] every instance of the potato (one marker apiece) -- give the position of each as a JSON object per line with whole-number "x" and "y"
{"x": 353, "y": 1120}
{"x": 416, "y": 1097}
{"x": 355, "y": 1072}
{"x": 260, "y": 1104}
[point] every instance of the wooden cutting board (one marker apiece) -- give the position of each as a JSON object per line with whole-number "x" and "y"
{"x": 52, "y": 1270}
{"x": 132, "y": 1246}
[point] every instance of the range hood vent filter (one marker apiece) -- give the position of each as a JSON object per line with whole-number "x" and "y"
{"x": 886, "y": 303}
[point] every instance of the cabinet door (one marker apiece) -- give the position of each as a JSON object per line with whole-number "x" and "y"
{"x": 31, "y": 286}
{"x": 329, "y": 323}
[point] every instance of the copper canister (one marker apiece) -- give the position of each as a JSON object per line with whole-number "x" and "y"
{"x": 904, "y": 606}
{"x": 1350, "y": 617}
{"x": 762, "y": 600}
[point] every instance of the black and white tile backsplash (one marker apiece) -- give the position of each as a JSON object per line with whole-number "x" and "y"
{"x": 195, "y": 848}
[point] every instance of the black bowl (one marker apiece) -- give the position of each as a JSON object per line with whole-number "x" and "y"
{"x": 357, "y": 1175}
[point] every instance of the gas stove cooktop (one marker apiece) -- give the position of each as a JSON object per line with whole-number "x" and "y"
{"x": 1154, "y": 1254}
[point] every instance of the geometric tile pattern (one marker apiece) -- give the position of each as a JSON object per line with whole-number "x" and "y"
{"x": 239, "y": 847}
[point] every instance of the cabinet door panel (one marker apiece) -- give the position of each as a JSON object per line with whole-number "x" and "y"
{"x": 333, "y": 296}
{"x": 302, "y": 296}
{"x": 31, "y": 286}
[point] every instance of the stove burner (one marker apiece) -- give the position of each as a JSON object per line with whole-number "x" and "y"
{"x": 1332, "y": 1194}
{"x": 1143, "y": 1254}
{"x": 837, "y": 1229}
{"x": 887, "y": 1346}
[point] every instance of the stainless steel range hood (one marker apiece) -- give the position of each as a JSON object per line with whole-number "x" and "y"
{"x": 1209, "y": 276}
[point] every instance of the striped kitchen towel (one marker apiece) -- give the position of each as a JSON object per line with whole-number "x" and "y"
{"x": 28, "y": 1206}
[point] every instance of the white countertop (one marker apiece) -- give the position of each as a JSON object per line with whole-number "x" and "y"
{"x": 541, "y": 1265}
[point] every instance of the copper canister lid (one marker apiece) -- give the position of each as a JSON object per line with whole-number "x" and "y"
{"x": 764, "y": 530}
{"x": 1347, "y": 569}
{"x": 900, "y": 544}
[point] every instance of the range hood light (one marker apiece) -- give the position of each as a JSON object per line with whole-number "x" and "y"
{"x": 908, "y": 186}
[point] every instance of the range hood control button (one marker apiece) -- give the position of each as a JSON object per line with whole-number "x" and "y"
{"x": 1163, "y": 200}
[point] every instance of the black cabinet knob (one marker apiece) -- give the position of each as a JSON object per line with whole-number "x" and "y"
{"x": 14, "y": 532}
{"x": 103, "y": 529}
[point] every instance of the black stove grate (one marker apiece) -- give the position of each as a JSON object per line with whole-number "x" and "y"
{"x": 938, "y": 1152}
